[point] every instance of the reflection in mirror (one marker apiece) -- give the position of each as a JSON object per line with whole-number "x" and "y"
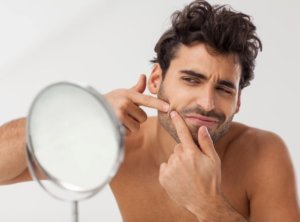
{"x": 74, "y": 141}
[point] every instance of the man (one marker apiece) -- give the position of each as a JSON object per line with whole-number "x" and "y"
{"x": 191, "y": 162}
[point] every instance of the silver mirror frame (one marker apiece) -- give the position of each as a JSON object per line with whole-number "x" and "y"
{"x": 33, "y": 163}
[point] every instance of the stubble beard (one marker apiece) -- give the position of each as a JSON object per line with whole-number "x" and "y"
{"x": 166, "y": 122}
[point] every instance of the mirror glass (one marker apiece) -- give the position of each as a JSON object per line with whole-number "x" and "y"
{"x": 74, "y": 139}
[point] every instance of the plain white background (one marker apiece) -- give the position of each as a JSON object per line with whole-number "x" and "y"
{"x": 107, "y": 44}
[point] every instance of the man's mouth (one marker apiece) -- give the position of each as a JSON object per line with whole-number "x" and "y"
{"x": 199, "y": 120}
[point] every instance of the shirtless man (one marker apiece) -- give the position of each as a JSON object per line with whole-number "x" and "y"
{"x": 191, "y": 162}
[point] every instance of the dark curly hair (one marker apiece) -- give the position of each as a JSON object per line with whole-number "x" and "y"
{"x": 220, "y": 27}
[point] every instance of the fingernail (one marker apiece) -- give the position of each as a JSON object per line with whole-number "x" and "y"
{"x": 166, "y": 107}
{"x": 204, "y": 131}
{"x": 173, "y": 114}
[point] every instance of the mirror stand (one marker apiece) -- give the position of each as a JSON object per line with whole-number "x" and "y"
{"x": 75, "y": 211}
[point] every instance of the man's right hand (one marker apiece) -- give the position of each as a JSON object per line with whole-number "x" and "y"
{"x": 126, "y": 104}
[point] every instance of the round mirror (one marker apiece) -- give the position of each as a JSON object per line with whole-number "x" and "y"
{"x": 74, "y": 141}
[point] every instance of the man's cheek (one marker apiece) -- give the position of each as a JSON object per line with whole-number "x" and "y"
{"x": 175, "y": 107}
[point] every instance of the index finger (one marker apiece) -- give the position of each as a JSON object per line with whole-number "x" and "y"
{"x": 149, "y": 101}
{"x": 182, "y": 130}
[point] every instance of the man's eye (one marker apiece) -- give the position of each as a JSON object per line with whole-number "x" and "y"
{"x": 224, "y": 90}
{"x": 191, "y": 80}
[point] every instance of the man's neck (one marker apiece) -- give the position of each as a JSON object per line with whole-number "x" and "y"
{"x": 164, "y": 144}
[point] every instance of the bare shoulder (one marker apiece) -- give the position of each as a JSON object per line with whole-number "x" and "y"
{"x": 267, "y": 150}
{"x": 262, "y": 149}
{"x": 270, "y": 179}
{"x": 258, "y": 153}
{"x": 257, "y": 143}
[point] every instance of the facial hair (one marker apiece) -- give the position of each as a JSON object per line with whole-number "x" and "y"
{"x": 166, "y": 122}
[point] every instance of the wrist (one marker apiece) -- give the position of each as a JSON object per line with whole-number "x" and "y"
{"x": 216, "y": 209}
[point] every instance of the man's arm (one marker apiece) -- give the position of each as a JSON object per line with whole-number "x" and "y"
{"x": 125, "y": 103}
{"x": 272, "y": 186}
{"x": 13, "y": 166}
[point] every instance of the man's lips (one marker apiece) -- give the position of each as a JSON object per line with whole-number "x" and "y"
{"x": 198, "y": 119}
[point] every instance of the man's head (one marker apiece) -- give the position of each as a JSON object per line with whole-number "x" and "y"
{"x": 203, "y": 61}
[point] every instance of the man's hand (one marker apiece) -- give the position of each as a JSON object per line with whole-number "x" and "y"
{"x": 192, "y": 176}
{"x": 126, "y": 102}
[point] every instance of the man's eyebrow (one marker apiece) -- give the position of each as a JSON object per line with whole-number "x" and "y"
{"x": 226, "y": 83}
{"x": 193, "y": 73}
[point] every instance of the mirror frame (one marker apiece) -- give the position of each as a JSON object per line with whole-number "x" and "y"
{"x": 34, "y": 165}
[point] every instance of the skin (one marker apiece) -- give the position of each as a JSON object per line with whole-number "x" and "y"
{"x": 12, "y": 137}
{"x": 173, "y": 164}
{"x": 173, "y": 171}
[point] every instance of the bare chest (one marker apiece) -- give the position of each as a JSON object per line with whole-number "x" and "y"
{"x": 141, "y": 198}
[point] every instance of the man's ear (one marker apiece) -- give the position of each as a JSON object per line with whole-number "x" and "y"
{"x": 155, "y": 79}
{"x": 238, "y": 103}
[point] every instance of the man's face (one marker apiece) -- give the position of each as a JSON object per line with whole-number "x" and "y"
{"x": 204, "y": 88}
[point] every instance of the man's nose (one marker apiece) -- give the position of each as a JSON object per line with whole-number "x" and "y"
{"x": 206, "y": 99}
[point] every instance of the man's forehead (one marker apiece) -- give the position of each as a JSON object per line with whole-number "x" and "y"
{"x": 202, "y": 59}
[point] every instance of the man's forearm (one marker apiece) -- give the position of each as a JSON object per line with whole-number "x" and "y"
{"x": 219, "y": 211}
{"x": 12, "y": 149}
